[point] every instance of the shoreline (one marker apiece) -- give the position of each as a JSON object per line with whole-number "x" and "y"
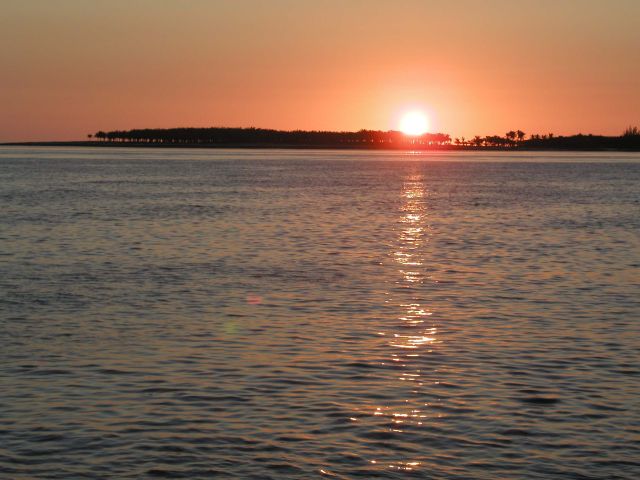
{"x": 272, "y": 146}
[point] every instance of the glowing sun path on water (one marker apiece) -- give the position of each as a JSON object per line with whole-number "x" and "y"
{"x": 414, "y": 333}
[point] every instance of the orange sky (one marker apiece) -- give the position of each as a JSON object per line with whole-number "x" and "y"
{"x": 72, "y": 67}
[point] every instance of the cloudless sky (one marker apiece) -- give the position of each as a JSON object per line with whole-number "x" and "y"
{"x": 72, "y": 67}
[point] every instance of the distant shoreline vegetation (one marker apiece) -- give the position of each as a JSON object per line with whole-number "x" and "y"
{"x": 224, "y": 137}
{"x": 219, "y": 136}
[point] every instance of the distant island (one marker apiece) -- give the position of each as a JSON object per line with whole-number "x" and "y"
{"x": 224, "y": 137}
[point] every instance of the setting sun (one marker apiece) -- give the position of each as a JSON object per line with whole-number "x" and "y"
{"x": 414, "y": 123}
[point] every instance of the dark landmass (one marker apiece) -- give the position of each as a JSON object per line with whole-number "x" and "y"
{"x": 221, "y": 137}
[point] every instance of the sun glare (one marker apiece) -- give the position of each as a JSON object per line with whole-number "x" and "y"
{"x": 414, "y": 123}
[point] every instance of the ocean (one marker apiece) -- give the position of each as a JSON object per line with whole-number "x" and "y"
{"x": 285, "y": 314}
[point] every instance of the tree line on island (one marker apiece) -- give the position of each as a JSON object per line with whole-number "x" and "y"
{"x": 260, "y": 137}
{"x": 269, "y": 137}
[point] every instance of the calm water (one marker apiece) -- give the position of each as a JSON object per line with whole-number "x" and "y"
{"x": 294, "y": 314}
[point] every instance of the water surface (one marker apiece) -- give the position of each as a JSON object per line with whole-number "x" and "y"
{"x": 299, "y": 314}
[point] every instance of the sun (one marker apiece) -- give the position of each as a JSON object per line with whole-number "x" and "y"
{"x": 414, "y": 123}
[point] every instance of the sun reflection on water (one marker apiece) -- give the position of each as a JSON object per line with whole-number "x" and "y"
{"x": 409, "y": 255}
{"x": 415, "y": 332}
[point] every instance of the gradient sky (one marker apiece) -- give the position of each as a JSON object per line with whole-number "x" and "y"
{"x": 72, "y": 67}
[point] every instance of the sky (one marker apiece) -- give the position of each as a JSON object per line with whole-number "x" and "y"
{"x": 72, "y": 67}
